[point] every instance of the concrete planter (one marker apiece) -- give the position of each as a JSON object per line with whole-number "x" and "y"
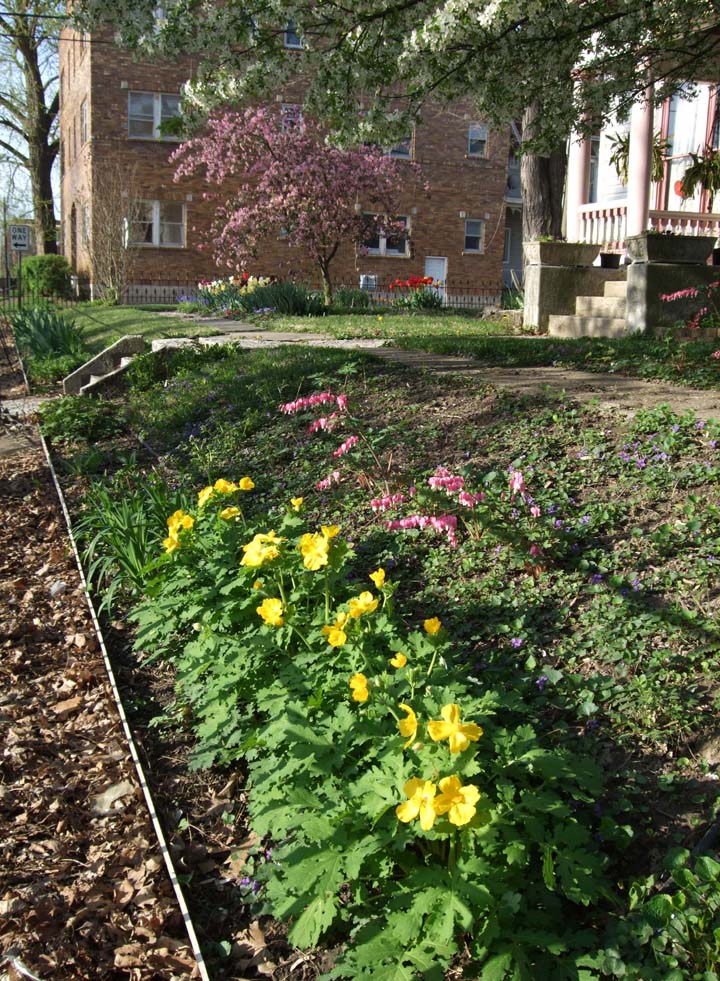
{"x": 560, "y": 253}
{"x": 695, "y": 249}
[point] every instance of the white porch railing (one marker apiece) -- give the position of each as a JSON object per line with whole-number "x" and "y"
{"x": 605, "y": 225}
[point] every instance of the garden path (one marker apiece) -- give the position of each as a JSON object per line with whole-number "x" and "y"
{"x": 608, "y": 391}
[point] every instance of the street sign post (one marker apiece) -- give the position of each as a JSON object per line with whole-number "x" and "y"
{"x": 20, "y": 238}
{"x": 19, "y": 242}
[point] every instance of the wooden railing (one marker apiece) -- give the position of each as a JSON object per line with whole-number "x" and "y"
{"x": 605, "y": 225}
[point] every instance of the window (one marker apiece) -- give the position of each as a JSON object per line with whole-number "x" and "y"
{"x": 86, "y": 224}
{"x": 83, "y": 122}
{"x": 290, "y": 116}
{"x": 474, "y": 235}
{"x": 147, "y": 111}
{"x": 291, "y": 37}
{"x": 477, "y": 140}
{"x": 393, "y": 244}
{"x": 507, "y": 246}
{"x": 403, "y": 150}
{"x": 158, "y": 223}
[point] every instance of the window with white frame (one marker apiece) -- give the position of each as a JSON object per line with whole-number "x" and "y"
{"x": 291, "y": 38}
{"x": 477, "y": 140}
{"x": 158, "y": 223}
{"x": 474, "y": 235}
{"x": 86, "y": 224}
{"x": 393, "y": 243}
{"x": 507, "y": 246}
{"x": 83, "y": 122}
{"x": 147, "y": 111}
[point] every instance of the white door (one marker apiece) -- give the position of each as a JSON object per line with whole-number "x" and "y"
{"x": 436, "y": 266}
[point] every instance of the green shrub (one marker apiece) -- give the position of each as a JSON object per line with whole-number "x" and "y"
{"x": 40, "y": 333}
{"x": 350, "y": 298}
{"x": 47, "y": 274}
{"x": 52, "y": 367}
{"x": 79, "y": 419}
{"x": 288, "y": 298}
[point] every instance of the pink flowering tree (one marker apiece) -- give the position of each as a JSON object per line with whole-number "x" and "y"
{"x": 280, "y": 177}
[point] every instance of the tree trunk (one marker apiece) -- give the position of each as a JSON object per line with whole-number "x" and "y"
{"x": 542, "y": 179}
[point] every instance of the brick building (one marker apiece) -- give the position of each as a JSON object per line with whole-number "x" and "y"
{"x": 112, "y": 153}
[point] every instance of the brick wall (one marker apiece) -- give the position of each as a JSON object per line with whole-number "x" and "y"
{"x": 459, "y": 187}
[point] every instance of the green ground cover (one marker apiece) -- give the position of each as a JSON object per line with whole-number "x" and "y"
{"x": 103, "y": 325}
{"x": 571, "y": 562}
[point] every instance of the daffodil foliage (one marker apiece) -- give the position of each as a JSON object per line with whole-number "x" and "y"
{"x": 411, "y": 810}
{"x": 387, "y": 59}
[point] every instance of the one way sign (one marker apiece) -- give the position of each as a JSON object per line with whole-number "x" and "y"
{"x": 20, "y": 238}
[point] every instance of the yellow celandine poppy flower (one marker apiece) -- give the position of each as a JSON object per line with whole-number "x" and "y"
{"x": 263, "y": 548}
{"x": 225, "y": 486}
{"x": 408, "y": 727}
{"x": 180, "y": 520}
{"x": 378, "y": 577}
{"x": 258, "y": 584}
{"x": 362, "y": 604}
{"x": 335, "y": 634}
{"x": 246, "y": 484}
{"x": 204, "y": 496}
{"x": 432, "y": 626}
{"x": 330, "y": 531}
{"x": 456, "y": 801}
{"x": 399, "y": 661}
{"x": 271, "y": 610}
{"x": 171, "y": 543}
{"x": 315, "y": 551}
{"x": 359, "y": 685}
{"x": 296, "y": 503}
{"x": 420, "y": 803}
{"x": 459, "y": 735}
{"x": 229, "y": 513}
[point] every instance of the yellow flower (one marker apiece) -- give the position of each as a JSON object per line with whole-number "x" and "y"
{"x": 225, "y": 486}
{"x": 456, "y": 801}
{"x": 329, "y": 531}
{"x": 271, "y": 611}
{"x": 364, "y": 603}
{"x": 246, "y": 484}
{"x": 358, "y": 684}
{"x": 171, "y": 543}
{"x": 314, "y": 549}
{"x": 420, "y": 802}
{"x": 458, "y": 735}
{"x": 336, "y": 636}
{"x": 229, "y": 513}
{"x": 399, "y": 661}
{"x": 261, "y": 549}
{"x": 258, "y": 584}
{"x": 296, "y": 503}
{"x": 179, "y": 520}
{"x": 432, "y": 626}
{"x": 378, "y": 577}
{"x": 408, "y": 726}
{"x": 204, "y": 496}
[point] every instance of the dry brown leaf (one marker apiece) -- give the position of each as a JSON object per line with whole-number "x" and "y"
{"x": 64, "y": 709}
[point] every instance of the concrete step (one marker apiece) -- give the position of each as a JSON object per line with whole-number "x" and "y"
{"x": 564, "y": 325}
{"x": 616, "y": 287}
{"x": 93, "y": 380}
{"x": 125, "y": 361}
{"x": 614, "y": 307}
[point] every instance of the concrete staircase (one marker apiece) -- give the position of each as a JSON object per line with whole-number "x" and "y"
{"x": 101, "y": 372}
{"x": 595, "y": 316}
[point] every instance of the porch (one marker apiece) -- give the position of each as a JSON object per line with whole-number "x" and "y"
{"x": 606, "y": 224}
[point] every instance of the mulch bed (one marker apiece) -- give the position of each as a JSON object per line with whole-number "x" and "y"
{"x": 84, "y": 892}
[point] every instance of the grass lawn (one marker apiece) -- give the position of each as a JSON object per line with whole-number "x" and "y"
{"x": 103, "y": 325}
{"x": 551, "y": 573}
{"x": 394, "y": 326}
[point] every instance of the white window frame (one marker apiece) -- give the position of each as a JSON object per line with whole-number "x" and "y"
{"x": 383, "y": 250}
{"x": 157, "y": 119}
{"x": 291, "y": 38}
{"x": 477, "y": 132}
{"x": 481, "y": 249}
{"x": 86, "y": 224}
{"x": 157, "y": 228}
{"x": 83, "y": 122}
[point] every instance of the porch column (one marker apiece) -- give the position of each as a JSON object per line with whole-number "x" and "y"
{"x": 578, "y": 184}
{"x": 640, "y": 165}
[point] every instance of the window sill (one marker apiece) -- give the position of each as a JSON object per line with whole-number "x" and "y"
{"x": 473, "y": 252}
{"x": 388, "y": 255}
{"x": 149, "y": 245}
{"x": 476, "y": 156}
